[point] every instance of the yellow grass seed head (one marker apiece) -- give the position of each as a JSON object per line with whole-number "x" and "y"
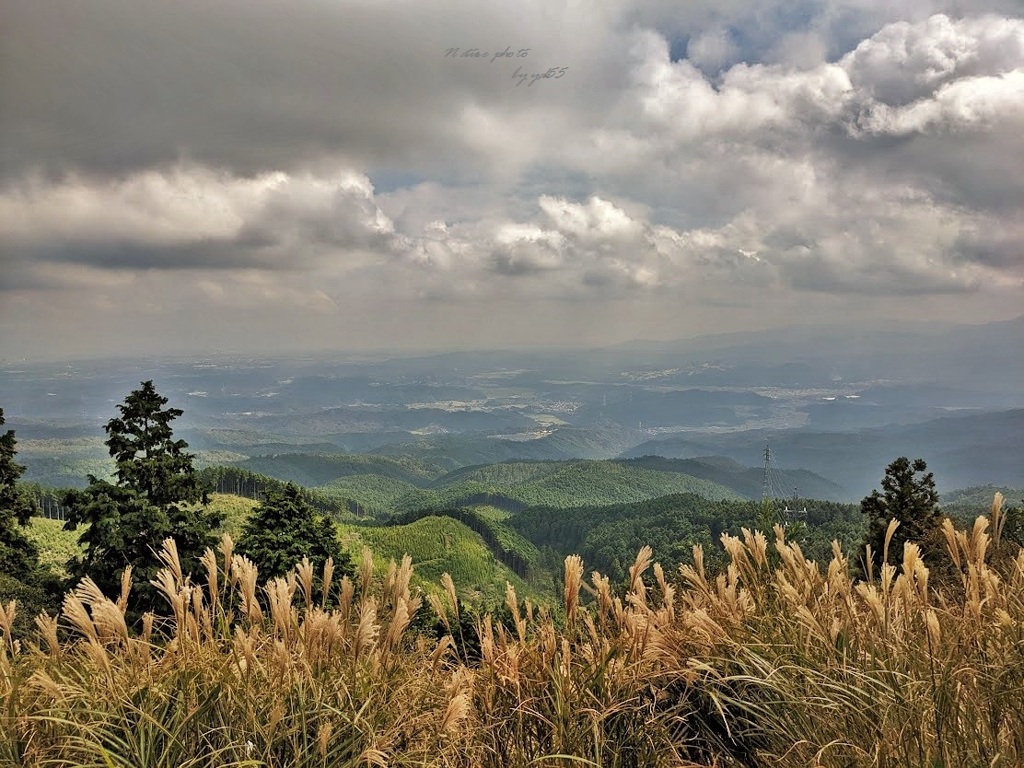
{"x": 511, "y": 601}
{"x": 323, "y": 738}
{"x": 42, "y": 682}
{"x": 227, "y": 550}
{"x": 147, "y": 627}
{"x": 637, "y": 570}
{"x": 889, "y": 531}
{"x": 979, "y": 541}
{"x": 513, "y": 606}
{"x": 373, "y": 756}
{"x": 365, "y": 571}
{"x": 328, "y": 579}
{"x": 244, "y": 572}
{"x": 949, "y": 532}
{"x": 399, "y": 623}
{"x": 400, "y": 588}
{"x": 439, "y": 608}
{"x": 304, "y": 572}
{"x": 449, "y": 588}
{"x": 126, "y": 587}
{"x": 603, "y": 589}
{"x": 46, "y": 628}
{"x": 757, "y": 544}
{"x": 366, "y": 632}
{"x": 279, "y": 597}
{"x": 932, "y": 625}
{"x": 73, "y": 609}
{"x": 7, "y": 614}
{"x": 444, "y": 645}
{"x": 346, "y": 594}
{"x": 998, "y": 518}
{"x": 109, "y": 621}
{"x": 573, "y": 580}
{"x": 457, "y": 710}
{"x": 668, "y": 592}
{"x": 209, "y": 562}
{"x": 168, "y": 555}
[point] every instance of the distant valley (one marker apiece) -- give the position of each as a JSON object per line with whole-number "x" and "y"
{"x": 835, "y": 404}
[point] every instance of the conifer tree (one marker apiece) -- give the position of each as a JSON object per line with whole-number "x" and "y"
{"x": 157, "y": 495}
{"x": 910, "y": 499}
{"x": 18, "y": 555}
{"x": 283, "y": 529}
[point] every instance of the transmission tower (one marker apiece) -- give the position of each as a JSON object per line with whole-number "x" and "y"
{"x": 766, "y": 487}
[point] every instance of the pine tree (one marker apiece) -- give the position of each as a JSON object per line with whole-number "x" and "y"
{"x": 157, "y": 495}
{"x": 18, "y": 556}
{"x": 283, "y": 529}
{"x": 911, "y": 500}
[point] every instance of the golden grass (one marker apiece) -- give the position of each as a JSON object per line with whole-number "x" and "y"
{"x": 777, "y": 661}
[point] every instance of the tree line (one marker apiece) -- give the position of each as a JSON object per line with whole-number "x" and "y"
{"x": 157, "y": 494}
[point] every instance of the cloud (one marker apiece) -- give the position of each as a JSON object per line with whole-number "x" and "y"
{"x": 993, "y": 243}
{"x": 247, "y": 86}
{"x": 192, "y": 218}
{"x": 712, "y": 50}
{"x": 332, "y": 160}
{"x": 904, "y": 62}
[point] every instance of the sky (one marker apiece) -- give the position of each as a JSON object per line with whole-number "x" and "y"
{"x": 256, "y": 176}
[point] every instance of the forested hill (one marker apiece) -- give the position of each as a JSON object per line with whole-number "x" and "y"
{"x": 322, "y": 468}
{"x": 378, "y": 485}
{"x": 455, "y": 451}
{"x": 382, "y": 485}
{"x": 746, "y": 481}
{"x": 558, "y": 484}
{"x": 608, "y": 536}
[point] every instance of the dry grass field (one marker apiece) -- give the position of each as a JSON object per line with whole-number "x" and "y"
{"x": 777, "y": 661}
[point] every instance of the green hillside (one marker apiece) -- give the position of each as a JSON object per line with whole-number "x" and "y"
{"x": 980, "y": 496}
{"x": 747, "y": 481}
{"x": 608, "y": 536}
{"x": 64, "y": 462}
{"x": 504, "y": 542}
{"x": 373, "y": 494}
{"x": 57, "y": 546}
{"x": 437, "y": 545}
{"x": 232, "y": 480}
{"x": 455, "y": 451}
{"x": 503, "y": 473}
{"x": 557, "y": 484}
{"x": 313, "y": 469}
{"x": 236, "y": 510}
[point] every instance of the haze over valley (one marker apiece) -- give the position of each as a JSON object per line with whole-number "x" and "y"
{"x": 831, "y": 401}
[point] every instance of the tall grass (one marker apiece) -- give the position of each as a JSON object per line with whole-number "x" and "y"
{"x": 777, "y": 661}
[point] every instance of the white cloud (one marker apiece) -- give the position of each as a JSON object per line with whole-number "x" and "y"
{"x": 905, "y": 62}
{"x": 970, "y": 103}
{"x": 192, "y": 217}
{"x": 712, "y": 49}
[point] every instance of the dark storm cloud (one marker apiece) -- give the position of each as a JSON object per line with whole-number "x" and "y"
{"x": 999, "y": 246}
{"x": 207, "y": 255}
{"x": 112, "y": 86}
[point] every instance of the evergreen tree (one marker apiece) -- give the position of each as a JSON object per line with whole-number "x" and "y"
{"x": 283, "y": 529}
{"x": 157, "y": 494}
{"x": 18, "y": 556}
{"x": 909, "y": 498}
